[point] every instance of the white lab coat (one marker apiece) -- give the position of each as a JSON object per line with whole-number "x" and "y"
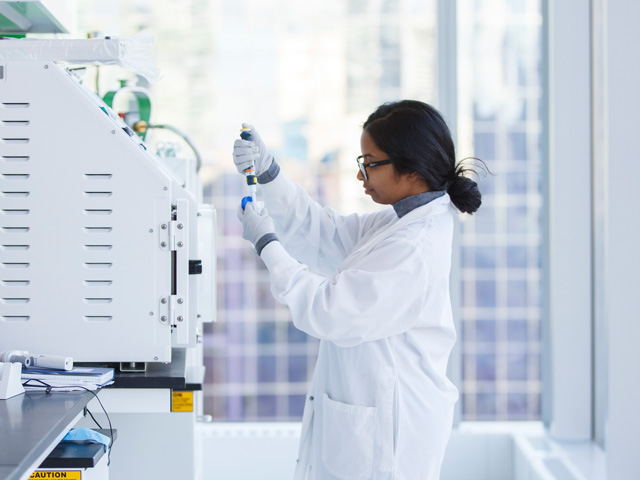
{"x": 374, "y": 289}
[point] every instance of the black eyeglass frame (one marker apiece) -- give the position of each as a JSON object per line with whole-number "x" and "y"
{"x": 363, "y": 166}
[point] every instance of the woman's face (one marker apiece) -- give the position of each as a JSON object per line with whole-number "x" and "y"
{"x": 384, "y": 184}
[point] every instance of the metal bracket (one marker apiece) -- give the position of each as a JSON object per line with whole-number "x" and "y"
{"x": 165, "y": 314}
{"x": 176, "y": 309}
{"x": 133, "y": 366}
{"x": 163, "y": 236}
{"x": 176, "y": 235}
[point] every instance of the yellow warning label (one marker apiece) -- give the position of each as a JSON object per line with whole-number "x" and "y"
{"x": 69, "y": 474}
{"x": 182, "y": 402}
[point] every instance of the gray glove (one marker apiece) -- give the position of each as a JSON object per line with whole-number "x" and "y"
{"x": 258, "y": 228}
{"x": 246, "y": 152}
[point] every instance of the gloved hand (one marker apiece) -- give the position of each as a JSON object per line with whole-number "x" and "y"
{"x": 257, "y": 228}
{"x": 247, "y": 151}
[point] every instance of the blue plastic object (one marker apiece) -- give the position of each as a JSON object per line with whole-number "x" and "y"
{"x": 86, "y": 435}
{"x": 246, "y": 200}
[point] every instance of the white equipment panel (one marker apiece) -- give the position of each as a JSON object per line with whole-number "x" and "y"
{"x": 96, "y": 233}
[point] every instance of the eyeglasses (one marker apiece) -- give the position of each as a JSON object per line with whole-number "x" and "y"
{"x": 363, "y": 166}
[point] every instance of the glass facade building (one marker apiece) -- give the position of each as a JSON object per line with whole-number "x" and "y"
{"x": 260, "y": 365}
{"x": 307, "y": 75}
{"x": 500, "y": 113}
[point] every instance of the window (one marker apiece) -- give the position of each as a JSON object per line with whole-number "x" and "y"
{"x": 307, "y": 75}
{"x": 326, "y": 74}
{"x": 499, "y": 91}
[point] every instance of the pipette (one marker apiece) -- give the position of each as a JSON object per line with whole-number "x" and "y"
{"x": 31, "y": 360}
{"x": 250, "y": 175}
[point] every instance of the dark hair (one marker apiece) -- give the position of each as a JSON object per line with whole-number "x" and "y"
{"x": 417, "y": 139}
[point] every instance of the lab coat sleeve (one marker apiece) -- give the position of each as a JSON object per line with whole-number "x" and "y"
{"x": 383, "y": 295}
{"x": 317, "y": 236}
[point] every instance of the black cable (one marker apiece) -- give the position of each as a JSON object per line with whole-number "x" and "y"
{"x": 86, "y": 410}
{"x": 48, "y": 389}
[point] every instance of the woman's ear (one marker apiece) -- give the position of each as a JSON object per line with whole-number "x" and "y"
{"x": 415, "y": 177}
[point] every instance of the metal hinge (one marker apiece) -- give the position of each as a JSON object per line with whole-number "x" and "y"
{"x": 172, "y": 310}
{"x": 172, "y": 235}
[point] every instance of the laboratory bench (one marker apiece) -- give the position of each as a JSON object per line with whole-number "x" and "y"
{"x": 32, "y": 424}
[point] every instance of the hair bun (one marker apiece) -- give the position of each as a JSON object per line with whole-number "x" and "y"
{"x": 464, "y": 193}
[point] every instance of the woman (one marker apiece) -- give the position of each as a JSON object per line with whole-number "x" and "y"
{"x": 374, "y": 289}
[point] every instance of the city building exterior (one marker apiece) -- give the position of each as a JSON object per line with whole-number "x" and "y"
{"x": 307, "y": 74}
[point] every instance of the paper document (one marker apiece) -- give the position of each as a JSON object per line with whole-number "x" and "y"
{"x": 78, "y": 378}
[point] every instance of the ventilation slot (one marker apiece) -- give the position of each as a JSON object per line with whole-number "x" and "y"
{"x": 15, "y": 283}
{"x": 98, "y": 283}
{"x": 15, "y": 318}
{"x": 98, "y": 300}
{"x": 15, "y": 248}
{"x": 15, "y": 105}
{"x": 14, "y": 229}
{"x": 15, "y": 158}
{"x": 15, "y": 194}
{"x": 15, "y": 176}
{"x": 96, "y": 248}
{"x": 97, "y": 176}
{"x": 559, "y": 470}
{"x": 15, "y": 123}
{"x": 15, "y": 301}
{"x": 15, "y": 141}
{"x": 12, "y": 211}
{"x": 97, "y": 265}
{"x": 97, "y": 211}
{"x": 14, "y": 265}
{"x": 97, "y": 229}
{"x": 98, "y": 318}
{"x": 97, "y": 194}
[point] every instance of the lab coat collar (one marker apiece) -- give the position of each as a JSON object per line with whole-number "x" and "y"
{"x": 420, "y": 210}
{"x": 408, "y": 204}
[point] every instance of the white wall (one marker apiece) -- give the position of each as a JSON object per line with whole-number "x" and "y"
{"x": 568, "y": 187}
{"x": 476, "y": 451}
{"x": 622, "y": 300}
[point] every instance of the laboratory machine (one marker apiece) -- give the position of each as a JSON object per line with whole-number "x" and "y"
{"x": 107, "y": 250}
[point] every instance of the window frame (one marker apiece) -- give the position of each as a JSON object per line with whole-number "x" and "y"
{"x": 567, "y": 230}
{"x": 592, "y": 96}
